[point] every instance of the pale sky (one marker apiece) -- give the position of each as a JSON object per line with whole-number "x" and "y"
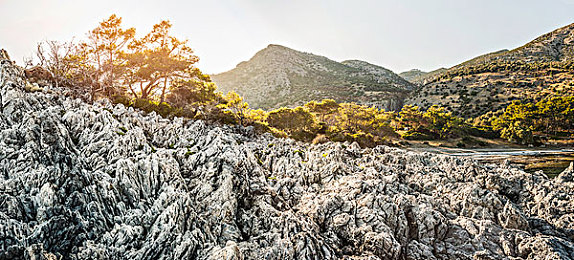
{"x": 398, "y": 35}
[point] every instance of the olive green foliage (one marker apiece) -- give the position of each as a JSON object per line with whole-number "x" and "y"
{"x": 328, "y": 120}
{"x": 297, "y": 122}
{"x": 158, "y": 59}
{"x": 520, "y": 121}
{"x": 443, "y": 123}
{"x": 435, "y": 123}
{"x": 235, "y": 108}
{"x": 91, "y": 67}
{"x": 323, "y": 109}
{"x": 193, "y": 92}
{"x": 411, "y": 117}
{"x": 291, "y": 119}
{"x": 112, "y": 62}
{"x": 367, "y": 125}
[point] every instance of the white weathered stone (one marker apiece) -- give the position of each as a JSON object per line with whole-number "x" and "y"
{"x": 81, "y": 181}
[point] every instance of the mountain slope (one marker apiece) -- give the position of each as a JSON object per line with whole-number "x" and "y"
{"x": 378, "y": 74}
{"x": 553, "y": 46}
{"x": 101, "y": 181}
{"x": 278, "y": 76}
{"x": 412, "y": 75}
{"x": 541, "y": 68}
{"x": 419, "y": 77}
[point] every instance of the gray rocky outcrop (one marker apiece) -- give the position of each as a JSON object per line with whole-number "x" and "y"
{"x": 103, "y": 181}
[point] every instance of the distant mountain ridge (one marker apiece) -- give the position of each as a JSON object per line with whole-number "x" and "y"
{"x": 555, "y": 46}
{"x": 420, "y": 77}
{"x": 411, "y": 75}
{"x": 279, "y": 76}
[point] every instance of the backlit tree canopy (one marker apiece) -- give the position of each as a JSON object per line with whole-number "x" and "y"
{"x": 111, "y": 61}
{"x": 157, "y": 60}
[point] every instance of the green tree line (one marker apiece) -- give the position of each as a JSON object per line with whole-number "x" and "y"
{"x": 526, "y": 122}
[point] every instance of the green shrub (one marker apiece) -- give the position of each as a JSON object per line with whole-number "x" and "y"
{"x": 165, "y": 110}
{"x": 144, "y": 104}
{"x": 303, "y": 135}
{"x": 418, "y": 135}
{"x": 485, "y": 132}
{"x": 121, "y": 99}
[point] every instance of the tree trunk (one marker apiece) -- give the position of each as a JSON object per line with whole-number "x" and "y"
{"x": 144, "y": 91}
{"x": 92, "y": 94}
{"x": 163, "y": 90}
{"x": 111, "y": 71}
{"x": 133, "y": 91}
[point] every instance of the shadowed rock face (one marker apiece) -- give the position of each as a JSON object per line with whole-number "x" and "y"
{"x": 104, "y": 182}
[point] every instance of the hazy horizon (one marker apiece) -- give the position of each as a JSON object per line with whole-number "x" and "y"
{"x": 396, "y": 35}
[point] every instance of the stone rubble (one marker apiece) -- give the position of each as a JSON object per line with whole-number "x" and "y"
{"x": 103, "y": 181}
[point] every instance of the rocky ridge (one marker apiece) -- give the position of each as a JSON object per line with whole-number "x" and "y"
{"x": 419, "y": 77}
{"x": 103, "y": 181}
{"x": 554, "y": 46}
{"x": 413, "y": 75}
{"x": 378, "y": 74}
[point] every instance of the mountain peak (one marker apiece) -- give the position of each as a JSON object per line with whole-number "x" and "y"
{"x": 355, "y": 62}
{"x": 275, "y": 46}
{"x": 274, "y": 52}
{"x": 279, "y": 76}
{"x": 415, "y": 70}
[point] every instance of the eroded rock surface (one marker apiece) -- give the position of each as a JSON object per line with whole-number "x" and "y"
{"x": 103, "y": 181}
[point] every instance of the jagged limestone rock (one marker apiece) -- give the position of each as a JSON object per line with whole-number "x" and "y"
{"x": 103, "y": 181}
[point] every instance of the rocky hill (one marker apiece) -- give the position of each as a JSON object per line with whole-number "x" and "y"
{"x": 378, "y": 74}
{"x": 103, "y": 181}
{"x": 412, "y": 75}
{"x": 541, "y": 68}
{"x": 419, "y": 77}
{"x": 278, "y": 76}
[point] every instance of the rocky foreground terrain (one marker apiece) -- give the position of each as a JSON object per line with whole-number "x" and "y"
{"x": 103, "y": 181}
